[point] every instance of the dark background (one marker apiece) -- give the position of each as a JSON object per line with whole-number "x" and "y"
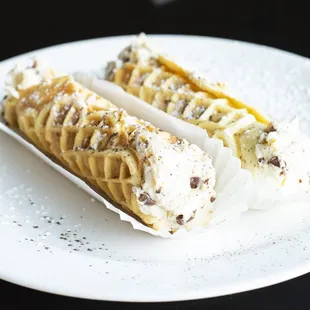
{"x": 29, "y": 25}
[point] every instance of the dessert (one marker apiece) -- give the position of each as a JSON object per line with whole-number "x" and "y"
{"x": 165, "y": 182}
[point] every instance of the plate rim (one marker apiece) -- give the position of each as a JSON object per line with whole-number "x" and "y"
{"x": 258, "y": 283}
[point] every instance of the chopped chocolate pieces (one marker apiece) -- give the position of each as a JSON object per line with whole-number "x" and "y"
{"x": 109, "y": 71}
{"x": 261, "y": 160}
{"x": 212, "y": 199}
{"x": 194, "y": 182}
{"x": 180, "y": 219}
{"x": 158, "y": 191}
{"x": 125, "y": 54}
{"x": 270, "y": 128}
{"x": 206, "y": 181}
{"x": 146, "y": 199}
{"x": 274, "y": 161}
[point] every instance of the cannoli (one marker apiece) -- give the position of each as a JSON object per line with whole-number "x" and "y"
{"x": 162, "y": 180}
{"x": 272, "y": 151}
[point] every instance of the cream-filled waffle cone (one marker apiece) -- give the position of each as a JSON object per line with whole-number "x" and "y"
{"x": 262, "y": 146}
{"x": 158, "y": 178}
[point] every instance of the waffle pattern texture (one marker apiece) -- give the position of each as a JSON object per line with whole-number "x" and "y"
{"x": 162, "y": 83}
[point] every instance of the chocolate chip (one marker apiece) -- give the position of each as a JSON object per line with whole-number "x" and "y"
{"x": 274, "y": 161}
{"x": 180, "y": 219}
{"x": 261, "y": 160}
{"x": 212, "y": 199}
{"x": 109, "y": 71}
{"x": 270, "y": 128}
{"x": 216, "y": 117}
{"x": 125, "y": 54}
{"x": 158, "y": 191}
{"x": 206, "y": 181}
{"x": 143, "y": 197}
{"x": 300, "y": 180}
{"x": 146, "y": 199}
{"x": 194, "y": 182}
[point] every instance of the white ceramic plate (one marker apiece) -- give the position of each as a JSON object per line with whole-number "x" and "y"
{"x": 54, "y": 238}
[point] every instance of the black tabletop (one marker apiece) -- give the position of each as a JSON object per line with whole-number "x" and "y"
{"x": 293, "y": 294}
{"x": 30, "y": 25}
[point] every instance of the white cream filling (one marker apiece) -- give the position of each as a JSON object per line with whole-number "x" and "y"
{"x": 25, "y": 75}
{"x": 141, "y": 52}
{"x": 284, "y": 155}
{"x": 168, "y": 170}
{"x": 138, "y": 52}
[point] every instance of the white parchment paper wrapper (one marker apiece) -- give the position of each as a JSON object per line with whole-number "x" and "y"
{"x": 233, "y": 184}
